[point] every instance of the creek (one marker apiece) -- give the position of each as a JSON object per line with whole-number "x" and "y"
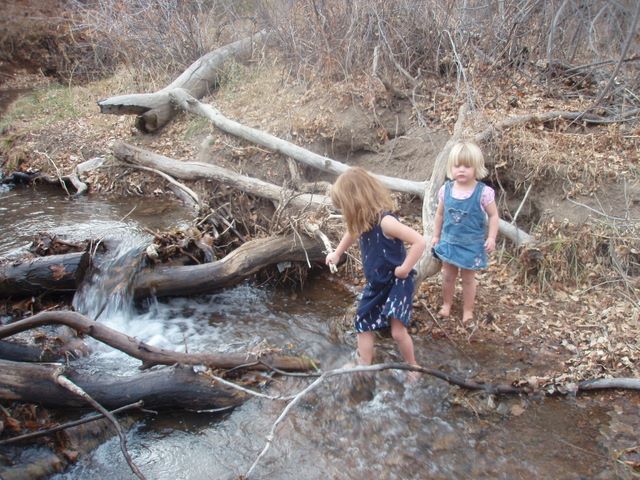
{"x": 345, "y": 429}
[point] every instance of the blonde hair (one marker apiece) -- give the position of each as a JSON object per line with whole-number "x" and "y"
{"x": 469, "y": 155}
{"x": 362, "y": 198}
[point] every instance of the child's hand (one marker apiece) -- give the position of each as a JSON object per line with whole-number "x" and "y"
{"x": 401, "y": 272}
{"x": 490, "y": 245}
{"x": 332, "y": 259}
{"x": 434, "y": 241}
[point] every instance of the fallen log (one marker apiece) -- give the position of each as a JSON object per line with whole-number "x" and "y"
{"x": 196, "y": 170}
{"x": 326, "y": 164}
{"x": 150, "y": 355}
{"x": 154, "y": 110}
{"x": 160, "y": 389}
{"x": 22, "y": 352}
{"x": 232, "y": 269}
{"x": 54, "y": 273}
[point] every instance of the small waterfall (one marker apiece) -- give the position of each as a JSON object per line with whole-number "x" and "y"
{"x": 106, "y": 294}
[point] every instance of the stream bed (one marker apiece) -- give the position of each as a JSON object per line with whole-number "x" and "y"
{"x": 345, "y": 429}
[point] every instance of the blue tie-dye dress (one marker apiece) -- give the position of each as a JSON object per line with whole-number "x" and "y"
{"x": 384, "y": 296}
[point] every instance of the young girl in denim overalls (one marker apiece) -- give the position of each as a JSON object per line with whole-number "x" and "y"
{"x": 460, "y": 237}
{"x": 388, "y": 268}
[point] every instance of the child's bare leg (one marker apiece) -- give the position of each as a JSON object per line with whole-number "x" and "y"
{"x": 468, "y": 294}
{"x": 365, "y": 347}
{"x": 449, "y": 275}
{"x": 405, "y": 345}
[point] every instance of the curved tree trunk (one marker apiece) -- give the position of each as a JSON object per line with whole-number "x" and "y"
{"x": 232, "y": 269}
{"x": 150, "y": 355}
{"x": 155, "y": 110}
{"x": 326, "y": 164}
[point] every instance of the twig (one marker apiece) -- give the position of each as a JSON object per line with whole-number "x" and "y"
{"x": 73, "y": 388}
{"x": 171, "y": 180}
{"x": 630, "y": 35}
{"x": 58, "y": 174}
{"x": 130, "y": 212}
{"x": 374, "y": 368}
{"x": 426, "y": 307}
{"x": 515, "y": 216}
{"x": 610, "y": 217}
{"x": 247, "y": 390}
{"x": 75, "y": 423}
{"x": 319, "y": 234}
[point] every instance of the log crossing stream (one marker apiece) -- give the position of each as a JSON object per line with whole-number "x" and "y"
{"x": 345, "y": 429}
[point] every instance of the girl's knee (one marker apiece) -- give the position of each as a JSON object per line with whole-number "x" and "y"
{"x": 398, "y": 331}
{"x": 468, "y": 277}
{"x": 449, "y": 274}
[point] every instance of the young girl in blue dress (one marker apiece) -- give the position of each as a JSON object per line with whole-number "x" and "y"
{"x": 460, "y": 235}
{"x": 388, "y": 268}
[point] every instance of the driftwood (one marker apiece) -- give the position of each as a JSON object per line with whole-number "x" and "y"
{"x": 196, "y": 170}
{"x": 159, "y": 389}
{"x": 52, "y": 274}
{"x": 22, "y": 352}
{"x": 232, "y": 269}
{"x": 150, "y": 355}
{"x": 326, "y": 164}
{"x": 155, "y": 110}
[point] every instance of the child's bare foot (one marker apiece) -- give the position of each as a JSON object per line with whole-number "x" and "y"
{"x": 413, "y": 376}
{"x": 467, "y": 317}
{"x": 444, "y": 311}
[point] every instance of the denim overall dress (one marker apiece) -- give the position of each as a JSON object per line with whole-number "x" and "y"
{"x": 384, "y": 296}
{"x": 463, "y": 231}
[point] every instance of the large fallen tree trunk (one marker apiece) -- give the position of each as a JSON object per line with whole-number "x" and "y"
{"x": 150, "y": 355}
{"x": 238, "y": 265}
{"x": 55, "y": 273}
{"x": 155, "y": 110}
{"x": 159, "y": 389}
{"x": 326, "y": 164}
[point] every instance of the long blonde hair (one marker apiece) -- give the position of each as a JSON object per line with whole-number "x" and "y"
{"x": 469, "y": 155}
{"x": 362, "y": 198}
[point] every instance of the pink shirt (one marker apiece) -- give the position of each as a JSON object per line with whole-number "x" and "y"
{"x": 488, "y": 195}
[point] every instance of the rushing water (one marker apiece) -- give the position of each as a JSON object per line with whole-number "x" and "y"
{"x": 345, "y": 429}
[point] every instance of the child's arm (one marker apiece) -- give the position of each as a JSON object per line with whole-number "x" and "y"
{"x": 393, "y": 228}
{"x": 437, "y": 224}
{"x": 343, "y": 246}
{"x": 494, "y": 220}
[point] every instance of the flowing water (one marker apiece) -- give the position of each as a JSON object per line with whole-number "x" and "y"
{"x": 345, "y": 429}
